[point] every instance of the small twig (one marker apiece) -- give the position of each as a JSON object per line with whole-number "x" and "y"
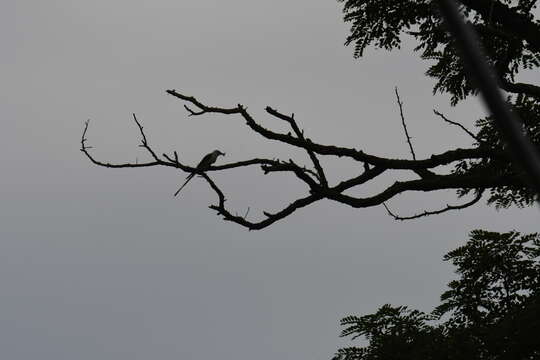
{"x": 300, "y": 172}
{"x": 203, "y": 108}
{"x": 300, "y": 135}
{"x": 435, "y": 212}
{"x": 400, "y": 103}
{"x": 84, "y": 149}
{"x": 270, "y": 218}
{"x": 456, "y": 124}
{"x": 83, "y": 137}
{"x": 144, "y": 142}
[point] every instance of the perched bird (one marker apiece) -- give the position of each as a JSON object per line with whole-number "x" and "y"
{"x": 204, "y": 164}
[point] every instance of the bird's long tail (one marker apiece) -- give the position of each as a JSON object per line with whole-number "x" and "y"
{"x": 190, "y": 176}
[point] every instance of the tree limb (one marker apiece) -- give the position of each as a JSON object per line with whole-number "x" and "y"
{"x": 436, "y": 212}
{"x": 433, "y": 161}
{"x": 315, "y": 180}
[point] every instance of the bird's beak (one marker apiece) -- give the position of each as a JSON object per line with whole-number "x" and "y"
{"x": 223, "y": 154}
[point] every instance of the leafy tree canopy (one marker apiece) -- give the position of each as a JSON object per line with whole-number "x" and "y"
{"x": 492, "y": 311}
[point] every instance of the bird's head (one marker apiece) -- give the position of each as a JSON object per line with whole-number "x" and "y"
{"x": 217, "y": 153}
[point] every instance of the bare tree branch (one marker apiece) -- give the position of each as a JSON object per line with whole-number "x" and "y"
{"x": 85, "y": 148}
{"x": 144, "y": 143}
{"x": 300, "y": 135}
{"x": 473, "y": 181}
{"x": 436, "y": 212}
{"x": 442, "y": 116}
{"x": 400, "y": 104}
{"x": 317, "y": 186}
{"x": 267, "y": 166}
{"x": 432, "y": 162}
{"x": 270, "y": 218}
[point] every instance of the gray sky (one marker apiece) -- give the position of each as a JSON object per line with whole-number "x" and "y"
{"x": 106, "y": 264}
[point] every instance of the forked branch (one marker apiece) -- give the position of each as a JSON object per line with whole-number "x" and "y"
{"x": 317, "y": 186}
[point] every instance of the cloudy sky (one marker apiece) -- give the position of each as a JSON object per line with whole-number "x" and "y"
{"x": 105, "y": 264}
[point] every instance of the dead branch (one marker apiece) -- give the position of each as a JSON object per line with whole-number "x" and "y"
{"x": 436, "y": 212}
{"x": 442, "y": 116}
{"x": 300, "y": 135}
{"x": 85, "y": 148}
{"x": 331, "y": 150}
{"x": 400, "y": 104}
{"x": 144, "y": 143}
{"x": 317, "y": 186}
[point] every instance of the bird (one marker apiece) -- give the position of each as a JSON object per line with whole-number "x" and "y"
{"x": 203, "y": 165}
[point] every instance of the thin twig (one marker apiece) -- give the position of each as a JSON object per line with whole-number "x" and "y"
{"x": 400, "y": 103}
{"x": 300, "y": 172}
{"x": 441, "y": 115}
{"x": 84, "y": 149}
{"x": 435, "y": 212}
{"x": 144, "y": 142}
{"x": 300, "y": 135}
{"x": 270, "y": 218}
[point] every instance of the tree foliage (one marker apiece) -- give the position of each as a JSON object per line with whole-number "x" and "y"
{"x": 492, "y": 310}
{"x": 510, "y": 37}
{"x": 507, "y": 30}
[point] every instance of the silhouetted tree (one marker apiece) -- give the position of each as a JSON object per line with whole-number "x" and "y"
{"x": 511, "y": 39}
{"x": 492, "y": 310}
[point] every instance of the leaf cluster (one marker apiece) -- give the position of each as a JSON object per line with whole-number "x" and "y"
{"x": 384, "y": 24}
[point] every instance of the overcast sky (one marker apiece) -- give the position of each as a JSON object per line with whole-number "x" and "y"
{"x": 105, "y": 264}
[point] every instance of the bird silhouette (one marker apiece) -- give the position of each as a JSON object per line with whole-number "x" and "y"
{"x": 203, "y": 165}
